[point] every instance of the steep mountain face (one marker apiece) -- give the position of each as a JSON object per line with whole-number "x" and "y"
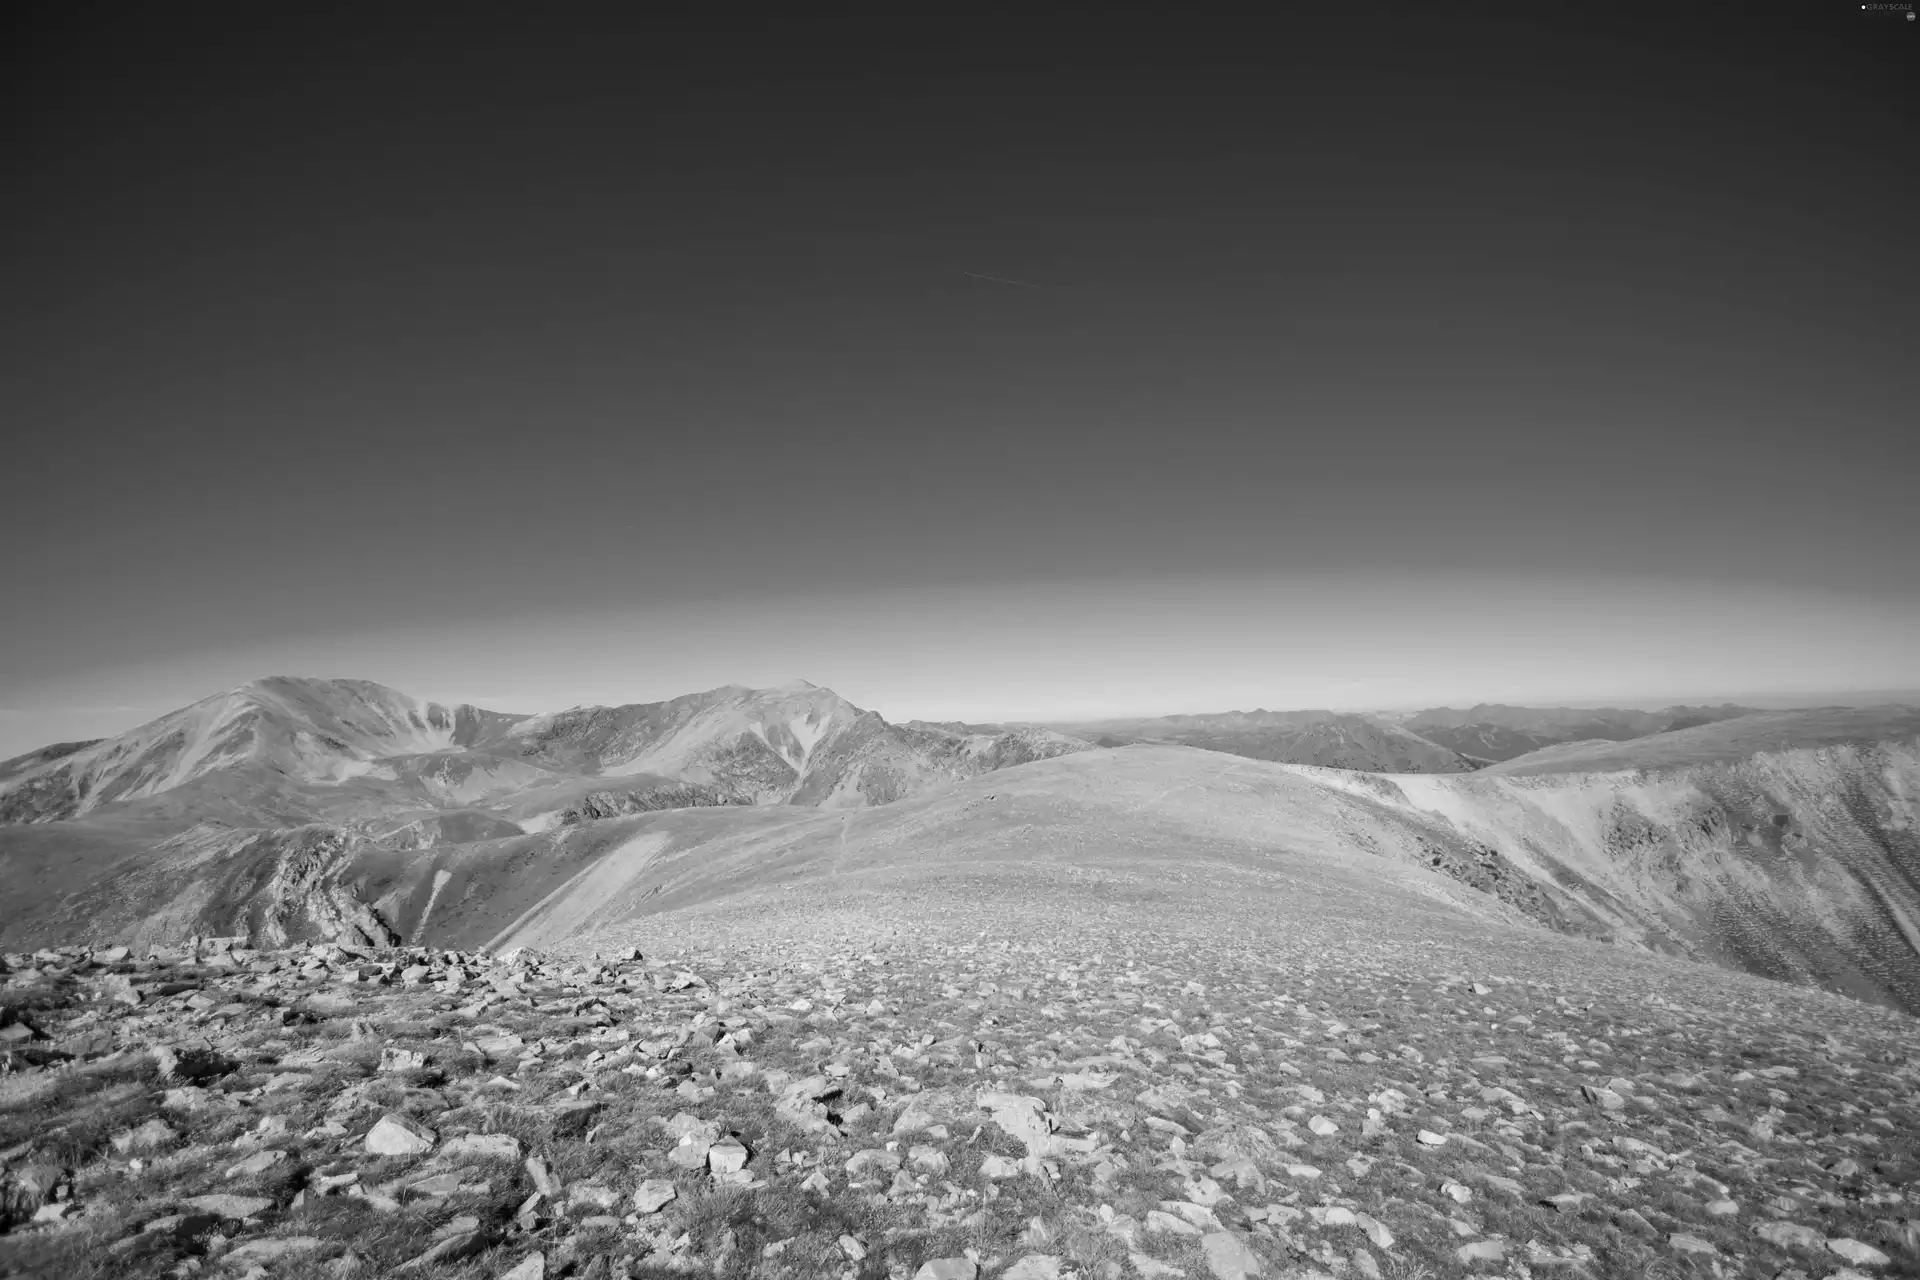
{"x": 797, "y": 744}
{"x": 1326, "y": 738}
{"x": 874, "y": 762}
{"x": 33, "y": 761}
{"x": 1801, "y": 864}
{"x": 1499, "y": 732}
{"x": 596, "y": 806}
{"x": 275, "y": 886}
{"x": 300, "y": 731}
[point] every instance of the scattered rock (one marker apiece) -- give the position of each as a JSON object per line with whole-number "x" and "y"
{"x": 999, "y": 1168}
{"x": 392, "y": 1059}
{"x": 593, "y": 1195}
{"x": 1481, "y": 1251}
{"x": 190, "y": 1065}
{"x": 543, "y": 1180}
{"x": 946, "y": 1269}
{"x": 271, "y": 1250}
{"x": 235, "y": 1207}
{"x": 1790, "y": 1235}
{"x": 257, "y": 1163}
{"x": 455, "y": 1248}
{"x": 1857, "y": 1253}
{"x": 531, "y": 1267}
{"x": 1228, "y": 1257}
{"x": 146, "y": 1137}
{"x": 481, "y": 1146}
{"x": 652, "y": 1195}
{"x": 727, "y": 1156}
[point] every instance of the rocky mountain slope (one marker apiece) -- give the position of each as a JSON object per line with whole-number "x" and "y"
{"x": 1149, "y": 1011}
{"x": 1800, "y": 864}
{"x": 1499, "y": 732}
{"x": 1208, "y": 1065}
{"x": 1330, "y": 739}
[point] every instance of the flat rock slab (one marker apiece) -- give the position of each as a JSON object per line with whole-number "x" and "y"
{"x": 238, "y": 1207}
{"x": 258, "y": 1162}
{"x": 1228, "y": 1257}
{"x": 729, "y": 1155}
{"x": 264, "y": 1251}
{"x": 1035, "y": 1266}
{"x": 948, "y": 1269}
{"x": 1790, "y": 1234}
{"x": 396, "y": 1135}
{"x": 531, "y": 1267}
{"x": 1858, "y": 1253}
{"x": 154, "y": 1133}
{"x": 653, "y": 1195}
{"x": 452, "y": 1249}
{"x": 481, "y": 1146}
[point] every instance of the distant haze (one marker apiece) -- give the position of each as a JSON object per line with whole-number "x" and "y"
{"x": 986, "y": 370}
{"x": 1080, "y": 650}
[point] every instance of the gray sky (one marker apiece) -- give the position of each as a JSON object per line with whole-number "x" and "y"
{"x": 1367, "y": 362}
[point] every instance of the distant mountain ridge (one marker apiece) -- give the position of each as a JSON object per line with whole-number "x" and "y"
{"x": 1722, "y": 741}
{"x": 1330, "y": 739}
{"x": 1496, "y": 731}
{"x": 286, "y": 751}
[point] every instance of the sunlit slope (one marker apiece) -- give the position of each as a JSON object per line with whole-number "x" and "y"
{"x": 1800, "y": 864}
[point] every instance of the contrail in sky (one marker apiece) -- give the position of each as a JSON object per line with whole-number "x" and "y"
{"x": 1000, "y": 280}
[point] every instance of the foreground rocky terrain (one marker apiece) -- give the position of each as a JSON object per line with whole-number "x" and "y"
{"x": 1148, "y": 1011}
{"x": 989, "y": 1090}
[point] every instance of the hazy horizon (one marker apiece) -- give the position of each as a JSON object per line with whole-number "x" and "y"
{"x": 996, "y": 371}
{"x": 1085, "y": 651}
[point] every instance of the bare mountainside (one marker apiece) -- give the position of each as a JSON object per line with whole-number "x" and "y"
{"x": 376, "y": 766}
{"x": 1797, "y": 864}
{"x": 1330, "y": 739}
{"x": 288, "y": 750}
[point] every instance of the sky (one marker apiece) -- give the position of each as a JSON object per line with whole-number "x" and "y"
{"x": 978, "y": 368}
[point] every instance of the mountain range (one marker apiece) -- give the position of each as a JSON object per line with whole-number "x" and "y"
{"x": 283, "y": 751}
{"x": 1776, "y": 843}
{"x": 1330, "y": 739}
